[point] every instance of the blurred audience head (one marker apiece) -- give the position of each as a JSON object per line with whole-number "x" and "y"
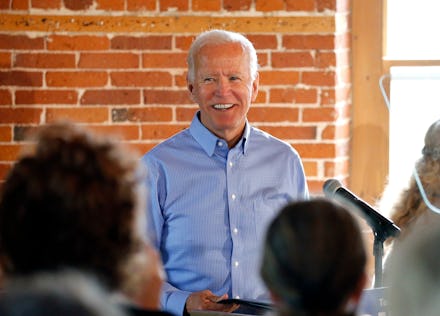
{"x": 314, "y": 259}
{"x": 75, "y": 200}
{"x": 64, "y": 293}
{"x": 414, "y": 274}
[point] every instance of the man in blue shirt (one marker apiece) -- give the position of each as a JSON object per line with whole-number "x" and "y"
{"x": 215, "y": 186}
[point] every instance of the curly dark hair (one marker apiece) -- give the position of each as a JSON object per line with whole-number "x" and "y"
{"x": 72, "y": 202}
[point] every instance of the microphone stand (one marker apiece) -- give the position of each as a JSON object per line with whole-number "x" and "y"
{"x": 381, "y": 232}
{"x": 378, "y": 257}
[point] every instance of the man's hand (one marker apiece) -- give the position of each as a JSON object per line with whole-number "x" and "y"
{"x": 206, "y": 300}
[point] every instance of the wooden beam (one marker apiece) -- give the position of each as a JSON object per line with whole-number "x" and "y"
{"x": 166, "y": 24}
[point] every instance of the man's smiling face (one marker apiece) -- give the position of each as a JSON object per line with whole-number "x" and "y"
{"x": 223, "y": 89}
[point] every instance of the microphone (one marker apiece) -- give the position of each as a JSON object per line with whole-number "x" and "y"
{"x": 379, "y": 223}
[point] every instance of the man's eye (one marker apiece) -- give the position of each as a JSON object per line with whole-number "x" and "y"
{"x": 207, "y": 80}
{"x": 234, "y": 78}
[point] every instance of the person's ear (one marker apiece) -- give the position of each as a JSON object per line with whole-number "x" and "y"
{"x": 255, "y": 84}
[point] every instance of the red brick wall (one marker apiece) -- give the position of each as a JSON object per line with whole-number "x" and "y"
{"x": 118, "y": 66}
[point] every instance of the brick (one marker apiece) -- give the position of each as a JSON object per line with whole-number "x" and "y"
{"x": 4, "y": 169}
{"x": 166, "y": 97}
{"x": 292, "y": 59}
{"x": 20, "y": 115}
{"x": 5, "y": 97}
{"x": 76, "y": 79}
{"x": 315, "y": 150}
{"x": 21, "y": 78}
{"x": 5, "y": 60}
{"x": 108, "y": 60}
{"x": 319, "y": 115}
{"x": 237, "y": 5}
{"x": 261, "y": 97}
{"x": 183, "y": 42}
{"x": 20, "y": 42}
{"x": 46, "y": 4}
{"x": 20, "y": 4}
{"x": 164, "y": 60}
{"x": 141, "y": 148}
{"x": 123, "y": 132}
{"x": 141, "y": 5}
{"x": 78, "y": 114}
{"x": 267, "y": 6}
{"x": 328, "y": 5}
{"x": 310, "y": 168}
{"x": 173, "y": 5}
{"x": 9, "y": 153}
{"x": 336, "y": 132}
{"x": 5, "y": 133}
{"x": 185, "y": 114}
{"x": 306, "y": 95}
{"x": 309, "y": 41}
{"x": 43, "y": 60}
{"x": 110, "y": 4}
{"x": 161, "y": 131}
{"x": 335, "y": 95}
{"x": 263, "y": 59}
{"x": 300, "y": 5}
{"x": 206, "y": 5}
{"x": 78, "y": 4}
{"x": 263, "y": 41}
{"x": 141, "y": 42}
{"x": 107, "y": 97}
{"x": 279, "y": 77}
{"x": 144, "y": 114}
{"x": 77, "y": 43}
{"x": 325, "y": 59}
{"x": 46, "y": 97}
{"x": 140, "y": 79}
{"x": 180, "y": 80}
{"x": 315, "y": 187}
{"x": 319, "y": 78}
{"x": 290, "y": 132}
{"x": 273, "y": 114}
{"x": 336, "y": 168}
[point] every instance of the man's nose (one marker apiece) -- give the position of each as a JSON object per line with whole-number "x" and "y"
{"x": 223, "y": 86}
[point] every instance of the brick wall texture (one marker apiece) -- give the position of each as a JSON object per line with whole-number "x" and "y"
{"x": 118, "y": 67}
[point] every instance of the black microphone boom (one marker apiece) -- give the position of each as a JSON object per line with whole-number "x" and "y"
{"x": 379, "y": 223}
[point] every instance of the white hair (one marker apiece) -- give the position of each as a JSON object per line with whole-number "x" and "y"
{"x": 221, "y": 37}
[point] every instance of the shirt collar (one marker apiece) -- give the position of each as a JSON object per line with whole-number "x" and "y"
{"x": 208, "y": 140}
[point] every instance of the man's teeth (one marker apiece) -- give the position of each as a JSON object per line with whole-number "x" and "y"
{"x": 223, "y": 106}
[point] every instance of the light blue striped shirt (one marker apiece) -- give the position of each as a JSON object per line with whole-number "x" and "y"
{"x": 209, "y": 207}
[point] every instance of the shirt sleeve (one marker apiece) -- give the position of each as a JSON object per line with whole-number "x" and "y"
{"x": 172, "y": 299}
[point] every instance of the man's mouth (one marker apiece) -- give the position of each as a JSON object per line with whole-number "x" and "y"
{"x": 223, "y": 106}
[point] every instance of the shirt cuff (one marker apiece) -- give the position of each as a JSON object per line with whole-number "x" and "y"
{"x": 176, "y": 301}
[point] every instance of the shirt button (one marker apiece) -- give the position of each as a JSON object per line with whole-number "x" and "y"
{"x": 236, "y": 264}
{"x": 233, "y": 196}
{"x": 235, "y": 230}
{"x": 219, "y": 143}
{"x": 237, "y": 297}
{"x": 231, "y": 164}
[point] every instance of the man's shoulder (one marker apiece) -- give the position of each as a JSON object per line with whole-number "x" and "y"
{"x": 175, "y": 142}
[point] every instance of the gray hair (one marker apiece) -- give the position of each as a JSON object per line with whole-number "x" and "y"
{"x": 221, "y": 37}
